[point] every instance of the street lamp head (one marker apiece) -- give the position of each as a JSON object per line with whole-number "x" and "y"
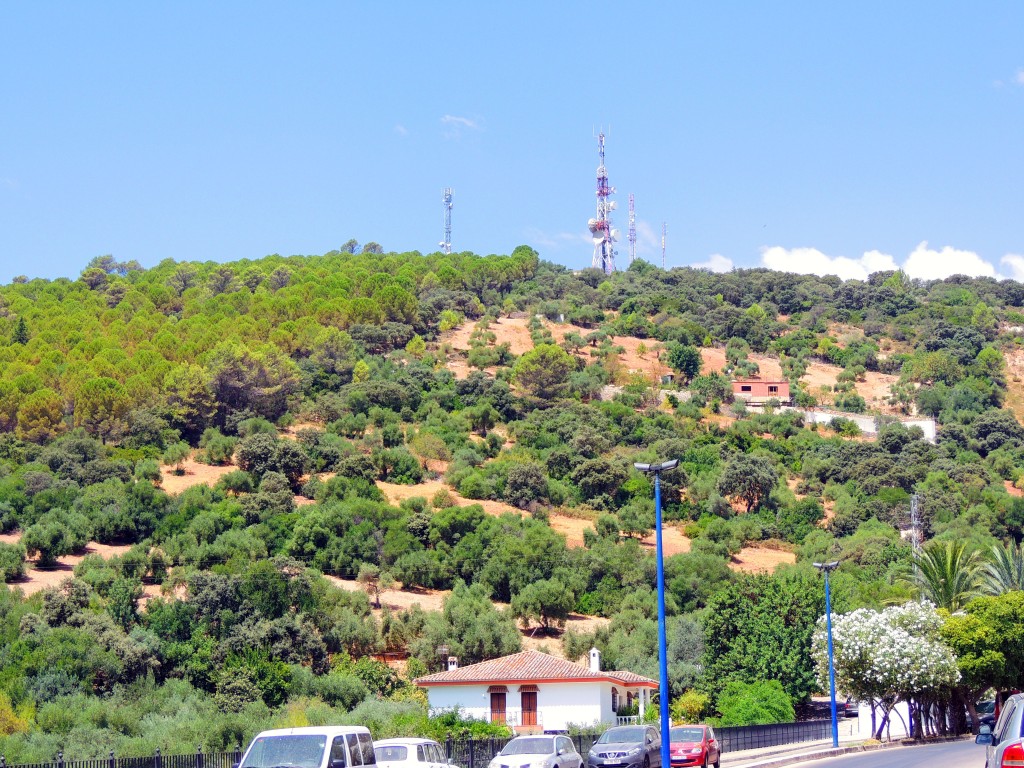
{"x": 827, "y": 566}
{"x": 655, "y": 468}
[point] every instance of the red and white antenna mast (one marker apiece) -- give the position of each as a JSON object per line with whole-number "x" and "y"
{"x": 632, "y": 229}
{"x": 601, "y": 231}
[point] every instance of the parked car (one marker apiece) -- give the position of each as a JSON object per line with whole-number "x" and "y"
{"x": 410, "y": 753}
{"x": 693, "y": 745}
{"x": 312, "y": 747}
{"x": 849, "y": 708}
{"x": 626, "y": 746}
{"x": 1003, "y": 742}
{"x": 538, "y": 752}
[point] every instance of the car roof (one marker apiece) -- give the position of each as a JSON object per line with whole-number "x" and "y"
{"x": 403, "y": 742}
{"x": 315, "y": 730}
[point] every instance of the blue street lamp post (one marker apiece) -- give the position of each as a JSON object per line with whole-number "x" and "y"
{"x": 826, "y": 568}
{"x": 666, "y": 723}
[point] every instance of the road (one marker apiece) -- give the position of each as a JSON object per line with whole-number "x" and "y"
{"x": 956, "y": 754}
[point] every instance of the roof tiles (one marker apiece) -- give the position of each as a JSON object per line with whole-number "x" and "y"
{"x": 528, "y": 666}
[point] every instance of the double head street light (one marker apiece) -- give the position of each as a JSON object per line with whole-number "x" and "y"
{"x": 666, "y": 723}
{"x": 827, "y": 568}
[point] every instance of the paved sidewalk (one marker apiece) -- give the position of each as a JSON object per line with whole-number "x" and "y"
{"x": 776, "y": 757}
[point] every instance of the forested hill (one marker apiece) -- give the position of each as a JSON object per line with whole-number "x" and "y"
{"x": 463, "y": 427}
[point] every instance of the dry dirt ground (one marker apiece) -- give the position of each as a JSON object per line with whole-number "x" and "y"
{"x": 195, "y": 474}
{"x": 674, "y": 542}
{"x": 36, "y": 579}
{"x": 433, "y": 600}
{"x": 1015, "y": 382}
{"x": 516, "y": 333}
{"x": 874, "y": 389}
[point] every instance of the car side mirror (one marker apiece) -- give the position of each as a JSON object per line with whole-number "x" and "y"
{"x": 985, "y": 736}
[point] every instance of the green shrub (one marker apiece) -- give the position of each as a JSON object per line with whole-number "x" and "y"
{"x": 12, "y": 561}
{"x": 757, "y": 703}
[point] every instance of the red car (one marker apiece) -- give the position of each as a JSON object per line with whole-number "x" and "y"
{"x": 693, "y": 745}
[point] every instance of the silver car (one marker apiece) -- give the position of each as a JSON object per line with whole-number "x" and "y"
{"x": 538, "y": 752}
{"x": 1003, "y": 744}
{"x": 627, "y": 746}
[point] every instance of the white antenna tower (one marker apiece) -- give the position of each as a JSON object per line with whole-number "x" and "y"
{"x": 663, "y": 229}
{"x": 632, "y": 230}
{"x": 446, "y": 244}
{"x": 601, "y": 231}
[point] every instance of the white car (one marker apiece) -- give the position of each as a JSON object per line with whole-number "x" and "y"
{"x": 311, "y": 747}
{"x": 538, "y": 752}
{"x": 410, "y": 753}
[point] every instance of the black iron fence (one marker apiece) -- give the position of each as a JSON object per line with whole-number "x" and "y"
{"x": 197, "y": 759}
{"x": 465, "y": 753}
{"x": 735, "y": 738}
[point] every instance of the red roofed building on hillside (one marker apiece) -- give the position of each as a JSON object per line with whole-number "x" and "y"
{"x": 533, "y": 691}
{"x": 759, "y": 391}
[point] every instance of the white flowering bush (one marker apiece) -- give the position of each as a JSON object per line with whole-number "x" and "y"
{"x": 885, "y": 656}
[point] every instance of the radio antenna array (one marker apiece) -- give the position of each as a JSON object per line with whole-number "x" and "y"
{"x": 601, "y": 231}
{"x": 446, "y": 244}
{"x": 632, "y": 230}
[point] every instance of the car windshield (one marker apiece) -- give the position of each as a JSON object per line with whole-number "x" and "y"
{"x": 622, "y": 736}
{"x": 686, "y": 734}
{"x": 388, "y": 754}
{"x": 532, "y": 746}
{"x": 294, "y": 751}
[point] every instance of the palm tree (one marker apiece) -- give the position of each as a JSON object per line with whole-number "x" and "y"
{"x": 1005, "y": 570}
{"x": 949, "y": 575}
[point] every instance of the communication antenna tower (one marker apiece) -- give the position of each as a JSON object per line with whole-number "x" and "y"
{"x": 663, "y": 229}
{"x": 601, "y": 231}
{"x": 446, "y": 244}
{"x": 632, "y": 230}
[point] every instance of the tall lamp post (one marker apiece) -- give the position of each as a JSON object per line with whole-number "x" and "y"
{"x": 827, "y": 568}
{"x": 666, "y": 723}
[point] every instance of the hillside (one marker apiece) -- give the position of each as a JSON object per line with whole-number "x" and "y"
{"x": 254, "y": 452}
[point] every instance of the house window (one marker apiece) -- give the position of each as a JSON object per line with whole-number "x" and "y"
{"x": 615, "y": 700}
{"x": 745, "y": 388}
{"x": 773, "y": 390}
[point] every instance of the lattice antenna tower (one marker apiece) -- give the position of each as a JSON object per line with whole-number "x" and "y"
{"x": 446, "y": 244}
{"x": 632, "y": 230}
{"x": 664, "y": 228}
{"x": 601, "y": 231}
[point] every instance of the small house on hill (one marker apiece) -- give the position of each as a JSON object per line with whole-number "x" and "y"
{"x": 533, "y": 691}
{"x": 759, "y": 391}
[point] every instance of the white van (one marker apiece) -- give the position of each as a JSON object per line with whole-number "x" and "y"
{"x": 329, "y": 746}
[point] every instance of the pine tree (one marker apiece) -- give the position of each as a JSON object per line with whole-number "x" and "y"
{"x": 20, "y": 332}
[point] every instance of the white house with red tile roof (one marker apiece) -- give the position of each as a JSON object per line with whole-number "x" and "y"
{"x": 533, "y": 691}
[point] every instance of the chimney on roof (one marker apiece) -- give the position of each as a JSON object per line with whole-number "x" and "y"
{"x": 595, "y": 660}
{"x": 453, "y": 663}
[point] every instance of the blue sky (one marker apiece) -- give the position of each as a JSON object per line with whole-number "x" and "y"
{"x": 827, "y": 137}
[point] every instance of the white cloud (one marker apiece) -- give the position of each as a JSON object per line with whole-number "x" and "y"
{"x": 923, "y": 262}
{"x": 929, "y": 264}
{"x": 813, "y": 261}
{"x": 716, "y": 262}
{"x": 1019, "y": 78}
{"x": 1014, "y": 263}
{"x": 646, "y": 237}
{"x": 455, "y": 125}
{"x": 401, "y": 130}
